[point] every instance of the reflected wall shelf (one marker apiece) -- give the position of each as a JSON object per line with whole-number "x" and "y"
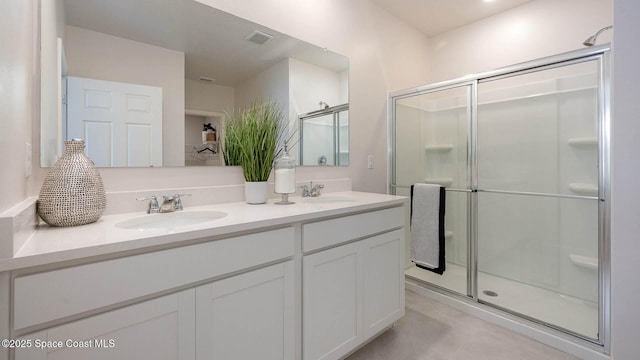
{"x": 583, "y": 141}
{"x": 584, "y": 189}
{"x": 440, "y": 181}
{"x": 439, "y": 148}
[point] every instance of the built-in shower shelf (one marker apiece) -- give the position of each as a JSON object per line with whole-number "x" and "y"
{"x": 584, "y": 261}
{"x": 439, "y": 148}
{"x": 448, "y": 234}
{"x": 584, "y": 189}
{"x": 583, "y": 141}
{"x": 440, "y": 181}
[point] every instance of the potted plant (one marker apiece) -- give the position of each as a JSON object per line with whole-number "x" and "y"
{"x": 251, "y": 140}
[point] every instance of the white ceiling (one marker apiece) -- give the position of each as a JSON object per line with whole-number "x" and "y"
{"x": 214, "y": 42}
{"x": 433, "y": 17}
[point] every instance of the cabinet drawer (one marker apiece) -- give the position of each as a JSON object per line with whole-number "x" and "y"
{"x": 332, "y": 232}
{"x": 52, "y": 295}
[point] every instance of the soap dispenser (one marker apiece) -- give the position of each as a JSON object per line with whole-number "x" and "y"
{"x": 285, "y": 172}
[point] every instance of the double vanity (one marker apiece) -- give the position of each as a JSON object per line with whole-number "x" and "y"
{"x": 314, "y": 280}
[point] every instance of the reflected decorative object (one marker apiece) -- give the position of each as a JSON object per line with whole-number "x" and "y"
{"x": 285, "y": 172}
{"x": 72, "y": 192}
{"x": 251, "y": 141}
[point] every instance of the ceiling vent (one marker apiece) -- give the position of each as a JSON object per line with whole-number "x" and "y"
{"x": 258, "y": 37}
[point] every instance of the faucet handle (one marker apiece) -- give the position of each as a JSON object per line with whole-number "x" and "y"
{"x": 315, "y": 190}
{"x": 305, "y": 190}
{"x": 178, "y": 201}
{"x": 153, "y": 203}
{"x": 150, "y": 197}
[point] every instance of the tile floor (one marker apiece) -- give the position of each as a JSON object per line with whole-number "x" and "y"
{"x": 434, "y": 331}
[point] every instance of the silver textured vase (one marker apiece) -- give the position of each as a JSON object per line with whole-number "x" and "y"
{"x": 72, "y": 192}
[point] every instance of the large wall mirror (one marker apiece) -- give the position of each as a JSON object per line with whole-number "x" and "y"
{"x": 149, "y": 82}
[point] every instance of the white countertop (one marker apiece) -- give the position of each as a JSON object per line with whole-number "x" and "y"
{"x": 53, "y": 244}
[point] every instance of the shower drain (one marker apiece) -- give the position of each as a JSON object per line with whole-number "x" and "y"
{"x": 490, "y": 293}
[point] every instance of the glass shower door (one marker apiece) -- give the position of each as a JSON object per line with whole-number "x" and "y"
{"x": 431, "y": 142}
{"x": 537, "y": 200}
{"x": 324, "y": 136}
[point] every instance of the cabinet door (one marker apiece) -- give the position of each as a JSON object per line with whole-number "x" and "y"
{"x": 249, "y": 316}
{"x": 162, "y": 328}
{"x": 332, "y": 302}
{"x": 383, "y": 281}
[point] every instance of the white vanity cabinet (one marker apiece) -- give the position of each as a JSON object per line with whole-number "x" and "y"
{"x": 351, "y": 292}
{"x": 383, "y": 281}
{"x": 315, "y": 283}
{"x": 332, "y": 302}
{"x": 249, "y": 316}
{"x": 116, "y": 309}
{"x": 159, "y": 329}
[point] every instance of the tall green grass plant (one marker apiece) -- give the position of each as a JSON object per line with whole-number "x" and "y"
{"x": 251, "y": 139}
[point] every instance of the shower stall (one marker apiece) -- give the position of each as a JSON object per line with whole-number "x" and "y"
{"x": 324, "y": 136}
{"x": 523, "y": 155}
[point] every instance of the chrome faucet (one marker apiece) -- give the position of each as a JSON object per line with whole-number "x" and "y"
{"x": 314, "y": 191}
{"x": 170, "y": 203}
{"x": 153, "y": 204}
{"x": 178, "y": 201}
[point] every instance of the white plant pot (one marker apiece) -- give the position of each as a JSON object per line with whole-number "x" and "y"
{"x": 256, "y": 192}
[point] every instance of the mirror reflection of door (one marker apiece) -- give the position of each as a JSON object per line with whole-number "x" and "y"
{"x": 120, "y": 123}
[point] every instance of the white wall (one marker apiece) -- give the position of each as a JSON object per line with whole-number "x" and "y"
{"x": 18, "y": 107}
{"x": 373, "y": 40}
{"x": 308, "y": 85}
{"x": 625, "y": 178}
{"x": 370, "y": 37}
{"x": 51, "y": 28}
{"x": 536, "y": 29}
{"x": 270, "y": 84}
{"x": 99, "y": 56}
{"x": 208, "y": 97}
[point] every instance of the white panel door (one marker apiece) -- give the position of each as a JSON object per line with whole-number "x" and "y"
{"x": 249, "y": 316}
{"x": 383, "y": 281}
{"x": 159, "y": 329}
{"x": 120, "y": 123}
{"x": 332, "y": 302}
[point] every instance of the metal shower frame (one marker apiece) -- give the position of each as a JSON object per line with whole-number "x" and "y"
{"x": 601, "y": 53}
{"x": 335, "y": 112}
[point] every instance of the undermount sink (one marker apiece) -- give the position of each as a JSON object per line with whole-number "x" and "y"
{"x": 170, "y": 220}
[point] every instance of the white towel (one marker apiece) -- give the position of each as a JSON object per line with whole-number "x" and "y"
{"x": 427, "y": 227}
